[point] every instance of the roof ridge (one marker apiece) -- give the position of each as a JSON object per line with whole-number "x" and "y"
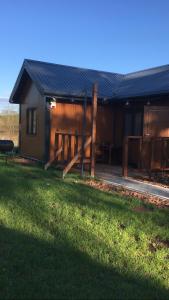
{"x": 68, "y": 66}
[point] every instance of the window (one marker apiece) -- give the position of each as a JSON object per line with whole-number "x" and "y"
{"x": 31, "y": 121}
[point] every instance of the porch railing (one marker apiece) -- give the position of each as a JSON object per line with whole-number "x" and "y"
{"x": 71, "y": 148}
{"x": 151, "y": 153}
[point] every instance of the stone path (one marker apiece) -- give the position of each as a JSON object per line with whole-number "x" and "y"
{"x": 134, "y": 185}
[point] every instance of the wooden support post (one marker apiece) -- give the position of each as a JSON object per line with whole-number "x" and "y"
{"x": 125, "y": 157}
{"x": 63, "y": 145}
{"x": 140, "y": 153}
{"x": 151, "y": 157}
{"x": 93, "y": 134}
{"x": 164, "y": 154}
{"x": 49, "y": 163}
{"x": 83, "y": 135}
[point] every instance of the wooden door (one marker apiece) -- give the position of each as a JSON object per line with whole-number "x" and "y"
{"x": 156, "y": 124}
{"x": 156, "y": 121}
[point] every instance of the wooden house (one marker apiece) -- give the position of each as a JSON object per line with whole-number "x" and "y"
{"x": 124, "y": 118}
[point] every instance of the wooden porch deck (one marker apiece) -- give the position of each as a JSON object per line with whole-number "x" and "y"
{"x": 116, "y": 170}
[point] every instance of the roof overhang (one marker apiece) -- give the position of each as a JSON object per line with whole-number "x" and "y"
{"x": 120, "y": 91}
{"x": 23, "y": 76}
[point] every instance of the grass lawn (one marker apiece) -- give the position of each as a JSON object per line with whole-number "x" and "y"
{"x": 65, "y": 240}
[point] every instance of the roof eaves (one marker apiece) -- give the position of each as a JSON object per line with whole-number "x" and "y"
{"x": 143, "y": 94}
{"x": 16, "y": 84}
{"x": 72, "y": 96}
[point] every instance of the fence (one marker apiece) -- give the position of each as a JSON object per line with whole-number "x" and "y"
{"x": 149, "y": 153}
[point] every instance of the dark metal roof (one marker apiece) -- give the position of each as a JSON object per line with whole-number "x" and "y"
{"x": 53, "y": 79}
{"x": 144, "y": 83}
{"x": 60, "y": 80}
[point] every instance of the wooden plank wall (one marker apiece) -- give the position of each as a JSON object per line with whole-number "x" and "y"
{"x": 68, "y": 118}
{"x": 32, "y": 145}
{"x": 155, "y": 124}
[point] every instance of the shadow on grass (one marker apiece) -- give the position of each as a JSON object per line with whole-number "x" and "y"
{"x": 34, "y": 269}
{"x": 17, "y": 181}
{"x": 113, "y": 203}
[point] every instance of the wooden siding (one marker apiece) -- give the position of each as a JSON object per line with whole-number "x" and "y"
{"x": 32, "y": 145}
{"x": 68, "y": 118}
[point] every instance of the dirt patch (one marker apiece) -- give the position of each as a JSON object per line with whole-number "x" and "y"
{"x": 162, "y": 243}
{"x": 159, "y": 179}
{"x": 24, "y": 161}
{"x": 122, "y": 226}
{"x": 158, "y": 244}
{"x": 142, "y": 209}
{"x": 152, "y": 247}
{"x": 146, "y": 198}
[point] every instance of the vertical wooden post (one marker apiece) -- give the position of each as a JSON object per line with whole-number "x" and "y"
{"x": 164, "y": 152}
{"x": 125, "y": 157}
{"x": 151, "y": 157}
{"x": 140, "y": 153}
{"x": 83, "y": 135}
{"x": 93, "y": 133}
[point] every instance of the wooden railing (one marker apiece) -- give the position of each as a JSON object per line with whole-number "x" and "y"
{"x": 152, "y": 153}
{"x": 77, "y": 156}
{"x": 69, "y": 148}
{"x": 69, "y": 143}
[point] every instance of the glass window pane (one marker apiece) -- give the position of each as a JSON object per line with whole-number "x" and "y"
{"x": 34, "y": 122}
{"x": 31, "y": 121}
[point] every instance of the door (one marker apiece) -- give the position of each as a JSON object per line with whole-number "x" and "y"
{"x": 156, "y": 121}
{"x": 133, "y": 126}
{"x": 156, "y": 124}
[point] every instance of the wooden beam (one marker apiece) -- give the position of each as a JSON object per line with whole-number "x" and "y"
{"x": 83, "y": 135}
{"x": 125, "y": 156}
{"x": 49, "y": 163}
{"x": 76, "y": 157}
{"x": 152, "y": 141}
{"x": 140, "y": 152}
{"x": 93, "y": 134}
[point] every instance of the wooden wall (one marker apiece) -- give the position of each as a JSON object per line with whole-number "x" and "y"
{"x": 118, "y": 126}
{"x": 155, "y": 124}
{"x": 68, "y": 117}
{"x": 32, "y": 145}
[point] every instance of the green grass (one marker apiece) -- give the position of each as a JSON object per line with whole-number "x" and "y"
{"x": 65, "y": 240}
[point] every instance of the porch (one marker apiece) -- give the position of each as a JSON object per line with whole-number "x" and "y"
{"x": 141, "y": 159}
{"x": 129, "y": 134}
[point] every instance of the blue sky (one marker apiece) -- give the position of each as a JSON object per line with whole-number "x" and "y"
{"x": 120, "y": 36}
